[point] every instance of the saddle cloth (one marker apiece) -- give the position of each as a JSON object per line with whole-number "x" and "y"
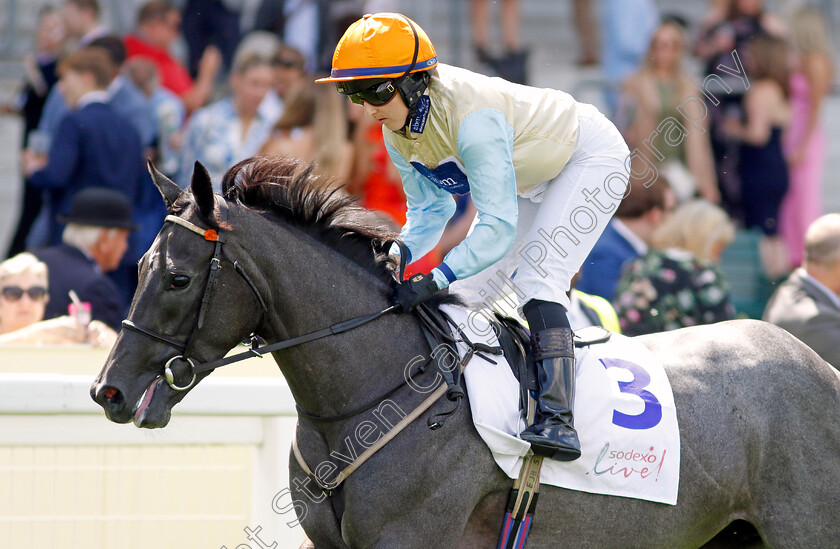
{"x": 623, "y": 410}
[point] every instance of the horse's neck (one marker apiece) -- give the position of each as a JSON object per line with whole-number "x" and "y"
{"x": 314, "y": 286}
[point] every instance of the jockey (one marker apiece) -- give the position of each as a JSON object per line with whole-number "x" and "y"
{"x": 538, "y": 166}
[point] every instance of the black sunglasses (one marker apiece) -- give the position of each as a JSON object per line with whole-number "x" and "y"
{"x": 14, "y": 293}
{"x": 286, "y": 63}
{"x": 377, "y": 94}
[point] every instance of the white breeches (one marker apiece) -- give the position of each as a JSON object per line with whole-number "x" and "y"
{"x": 559, "y": 225}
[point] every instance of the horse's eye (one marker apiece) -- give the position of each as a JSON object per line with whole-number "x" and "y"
{"x": 180, "y": 281}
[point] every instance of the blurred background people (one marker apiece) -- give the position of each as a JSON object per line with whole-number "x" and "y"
{"x": 168, "y": 110}
{"x": 211, "y": 25}
{"x": 94, "y": 243}
{"x": 83, "y": 26}
{"x": 231, "y": 129}
{"x": 158, "y": 27}
{"x": 807, "y": 304}
{"x": 41, "y": 76}
{"x": 133, "y": 105}
{"x": 677, "y": 283}
{"x": 314, "y": 128}
{"x": 651, "y": 96}
{"x": 627, "y": 236}
{"x": 729, "y": 25}
{"x": 289, "y": 69}
{"x": 626, "y": 30}
{"x": 805, "y": 140}
{"x": 123, "y": 96}
{"x": 23, "y": 297}
{"x": 94, "y": 146}
{"x": 762, "y": 167}
{"x": 511, "y": 62}
{"x": 23, "y": 292}
{"x": 82, "y": 19}
{"x": 309, "y": 26}
{"x": 722, "y": 42}
{"x": 586, "y": 30}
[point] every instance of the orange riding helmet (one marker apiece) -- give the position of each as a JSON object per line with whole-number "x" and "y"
{"x": 387, "y": 51}
{"x": 382, "y": 45}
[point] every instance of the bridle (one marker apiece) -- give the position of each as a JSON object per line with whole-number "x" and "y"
{"x": 451, "y": 388}
{"x": 219, "y": 238}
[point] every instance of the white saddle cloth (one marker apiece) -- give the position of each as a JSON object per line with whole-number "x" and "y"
{"x": 623, "y": 410}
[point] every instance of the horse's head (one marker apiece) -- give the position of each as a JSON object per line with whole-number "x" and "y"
{"x": 191, "y": 306}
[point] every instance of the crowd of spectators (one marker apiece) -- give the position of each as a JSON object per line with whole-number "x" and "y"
{"x": 748, "y": 157}
{"x": 96, "y": 103}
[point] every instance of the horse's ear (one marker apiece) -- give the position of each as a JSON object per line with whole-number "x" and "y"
{"x": 202, "y": 189}
{"x": 168, "y": 189}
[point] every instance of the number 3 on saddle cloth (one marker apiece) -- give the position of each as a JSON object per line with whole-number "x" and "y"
{"x": 623, "y": 410}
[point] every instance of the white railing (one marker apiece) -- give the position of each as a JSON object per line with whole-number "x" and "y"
{"x": 70, "y": 478}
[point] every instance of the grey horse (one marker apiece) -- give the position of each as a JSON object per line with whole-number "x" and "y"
{"x": 758, "y": 410}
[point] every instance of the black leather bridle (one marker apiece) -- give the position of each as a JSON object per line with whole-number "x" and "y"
{"x": 215, "y": 270}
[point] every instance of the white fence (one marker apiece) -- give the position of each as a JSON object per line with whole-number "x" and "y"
{"x": 70, "y": 479}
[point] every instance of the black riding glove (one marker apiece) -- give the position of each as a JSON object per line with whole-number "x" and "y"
{"x": 417, "y": 289}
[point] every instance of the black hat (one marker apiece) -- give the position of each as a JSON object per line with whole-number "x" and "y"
{"x": 100, "y": 207}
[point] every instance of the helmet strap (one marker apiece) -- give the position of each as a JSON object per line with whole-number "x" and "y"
{"x": 412, "y": 86}
{"x": 416, "y": 47}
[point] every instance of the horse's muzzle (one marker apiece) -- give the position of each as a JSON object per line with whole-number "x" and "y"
{"x": 112, "y": 401}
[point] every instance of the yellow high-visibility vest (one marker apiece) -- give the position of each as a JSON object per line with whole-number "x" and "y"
{"x": 602, "y": 308}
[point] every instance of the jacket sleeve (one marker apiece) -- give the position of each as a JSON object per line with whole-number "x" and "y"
{"x": 55, "y": 110}
{"x": 429, "y": 208}
{"x": 64, "y": 155}
{"x": 821, "y": 332}
{"x": 485, "y": 144}
{"x": 105, "y": 302}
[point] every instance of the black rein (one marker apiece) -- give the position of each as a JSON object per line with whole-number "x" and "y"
{"x": 259, "y": 351}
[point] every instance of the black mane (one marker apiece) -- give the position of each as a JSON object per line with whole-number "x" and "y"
{"x": 289, "y": 189}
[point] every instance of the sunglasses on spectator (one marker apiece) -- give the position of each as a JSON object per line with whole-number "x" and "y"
{"x": 376, "y": 94}
{"x": 286, "y": 63}
{"x": 14, "y": 293}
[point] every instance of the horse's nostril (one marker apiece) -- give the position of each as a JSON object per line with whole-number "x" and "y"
{"x": 113, "y": 397}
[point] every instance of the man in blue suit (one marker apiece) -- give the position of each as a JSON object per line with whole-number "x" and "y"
{"x": 125, "y": 97}
{"x": 95, "y": 240}
{"x": 93, "y": 147}
{"x": 626, "y": 236}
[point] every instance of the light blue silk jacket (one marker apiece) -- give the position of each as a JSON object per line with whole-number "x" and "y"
{"x": 484, "y": 136}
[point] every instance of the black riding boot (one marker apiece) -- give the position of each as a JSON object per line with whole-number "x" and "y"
{"x": 553, "y": 434}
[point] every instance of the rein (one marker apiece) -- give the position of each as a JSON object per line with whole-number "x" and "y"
{"x": 435, "y": 331}
{"x": 215, "y": 270}
{"x": 435, "y": 327}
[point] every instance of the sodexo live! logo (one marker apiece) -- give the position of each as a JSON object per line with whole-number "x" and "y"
{"x": 640, "y": 464}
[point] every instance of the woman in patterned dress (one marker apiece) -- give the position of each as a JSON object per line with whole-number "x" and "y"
{"x": 678, "y": 282}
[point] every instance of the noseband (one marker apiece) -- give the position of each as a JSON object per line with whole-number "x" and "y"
{"x": 215, "y": 270}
